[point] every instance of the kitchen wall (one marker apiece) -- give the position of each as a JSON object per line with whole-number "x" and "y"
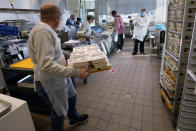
{"x": 73, "y": 6}
{"x": 33, "y": 18}
{"x": 161, "y": 11}
{"x": 31, "y": 4}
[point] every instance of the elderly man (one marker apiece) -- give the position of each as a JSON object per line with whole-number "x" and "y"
{"x": 52, "y": 77}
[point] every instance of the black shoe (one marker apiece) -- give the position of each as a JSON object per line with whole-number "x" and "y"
{"x": 85, "y": 81}
{"x": 82, "y": 119}
{"x": 143, "y": 53}
{"x": 134, "y": 53}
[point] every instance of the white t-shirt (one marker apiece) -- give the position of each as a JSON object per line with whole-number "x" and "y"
{"x": 86, "y": 27}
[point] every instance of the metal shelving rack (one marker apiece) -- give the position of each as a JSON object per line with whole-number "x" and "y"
{"x": 187, "y": 115}
{"x": 180, "y": 21}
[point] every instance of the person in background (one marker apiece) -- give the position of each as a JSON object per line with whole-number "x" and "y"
{"x": 51, "y": 75}
{"x": 130, "y": 21}
{"x": 86, "y": 26}
{"x": 120, "y": 29}
{"x": 71, "y": 21}
{"x": 131, "y": 25}
{"x": 78, "y": 23}
{"x": 140, "y": 31}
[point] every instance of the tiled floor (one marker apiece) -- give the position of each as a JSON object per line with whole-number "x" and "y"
{"x": 125, "y": 100}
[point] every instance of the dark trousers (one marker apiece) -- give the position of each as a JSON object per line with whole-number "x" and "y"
{"x": 57, "y": 122}
{"x": 73, "y": 81}
{"x": 135, "y": 49}
{"x": 120, "y": 43}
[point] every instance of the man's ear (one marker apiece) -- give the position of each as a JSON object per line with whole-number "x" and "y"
{"x": 56, "y": 16}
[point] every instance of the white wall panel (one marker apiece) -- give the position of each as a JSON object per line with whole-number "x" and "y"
{"x": 125, "y": 6}
{"x": 161, "y": 11}
{"x": 73, "y": 6}
{"x": 31, "y": 4}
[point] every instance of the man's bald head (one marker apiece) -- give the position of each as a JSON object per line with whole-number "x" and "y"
{"x": 48, "y": 11}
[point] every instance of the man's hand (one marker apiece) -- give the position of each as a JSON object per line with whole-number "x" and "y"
{"x": 83, "y": 73}
{"x": 92, "y": 37}
{"x": 136, "y": 23}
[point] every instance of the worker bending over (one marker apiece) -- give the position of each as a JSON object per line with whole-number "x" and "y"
{"x": 86, "y": 27}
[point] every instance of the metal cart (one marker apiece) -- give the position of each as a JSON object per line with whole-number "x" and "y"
{"x": 187, "y": 115}
{"x": 180, "y": 23}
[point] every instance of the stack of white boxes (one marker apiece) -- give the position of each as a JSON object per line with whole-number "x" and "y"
{"x": 89, "y": 57}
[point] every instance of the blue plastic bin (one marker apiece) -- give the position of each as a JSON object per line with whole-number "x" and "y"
{"x": 8, "y": 30}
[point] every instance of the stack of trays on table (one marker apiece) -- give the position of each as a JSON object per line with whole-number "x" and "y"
{"x": 26, "y": 82}
{"x": 81, "y": 35}
{"x": 89, "y": 57}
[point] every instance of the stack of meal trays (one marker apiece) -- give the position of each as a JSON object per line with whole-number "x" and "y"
{"x": 89, "y": 57}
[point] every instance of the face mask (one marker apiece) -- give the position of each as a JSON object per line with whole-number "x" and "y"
{"x": 142, "y": 14}
{"x": 60, "y": 26}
